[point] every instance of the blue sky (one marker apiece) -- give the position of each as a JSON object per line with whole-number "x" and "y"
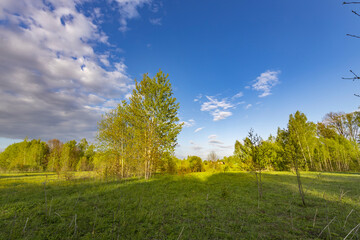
{"x": 233, "y": 66}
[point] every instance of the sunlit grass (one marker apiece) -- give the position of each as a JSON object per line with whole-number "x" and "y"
{"x": 193, "y": 206}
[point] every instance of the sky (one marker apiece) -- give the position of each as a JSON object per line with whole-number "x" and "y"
{"x": 233, "y": 65}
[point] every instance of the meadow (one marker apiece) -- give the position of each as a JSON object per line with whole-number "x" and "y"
{"x": 190, "y": 206}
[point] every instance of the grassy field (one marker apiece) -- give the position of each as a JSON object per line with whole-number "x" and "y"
{"x": 194, "y": 206}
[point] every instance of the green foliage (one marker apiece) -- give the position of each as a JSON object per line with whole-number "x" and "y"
{"x": 25, "y": 156}
{"x": 36, "y": 155}
{"x": 142, "y": 134}
{"x": 195, "y": 163}
{"x": 327, "y": 146}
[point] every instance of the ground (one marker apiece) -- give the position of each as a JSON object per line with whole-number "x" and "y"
{"x": 193, "y": 206}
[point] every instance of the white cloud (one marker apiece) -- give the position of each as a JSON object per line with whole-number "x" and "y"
{"x": 248, "y": 106}
{"x": 198, "y": 129}
{"x": 238, "y": 95}
{"x": 155, "y": 21}
{"x": 195, "y": 146}
{"x": 265, "y": 82}
{"x": 189, "y": 123}
{"x": 213, "y": 136}
{"x": 214, "y": 141}
{"x": 217, "y": 107}
{"x": 52, "y": 83}
{"x": 220, "y": 115}
{"x": 128, "y": 10}
{"x": 215, "y": 104}
{"x": 198, "y": 98}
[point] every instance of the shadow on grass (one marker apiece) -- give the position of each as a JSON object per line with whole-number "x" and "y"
{"x": 196, "y": 206}
{"x": 25, "y": 175}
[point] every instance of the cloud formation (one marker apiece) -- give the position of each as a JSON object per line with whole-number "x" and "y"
{"x": 53, "y": 83}
{"x": 189, "y": 123}
{"x": 217, "y": 108}
{"x": 128, "y": 9}
{"x": 195, "y": 146}
{"x": 248, "y": 106}
{"x": 155, "y": 21}
{"x": 198, "y": 129}
{"x": 238, "y": 95}
{"x": 265, "y": 82}
{"x": 217, "y": 143}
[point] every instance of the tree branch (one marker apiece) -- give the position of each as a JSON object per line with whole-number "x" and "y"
{"x": 351, "y": 2}
{"x": 353, "y": 78}
{"x": 355, "y": 36}
{"x": 355, "y": 13}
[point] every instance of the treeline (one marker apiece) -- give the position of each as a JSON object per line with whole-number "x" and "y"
{"x": 330, "y": 145}
{"x": 36, "y": 155}
{"x": 138, "y": 138}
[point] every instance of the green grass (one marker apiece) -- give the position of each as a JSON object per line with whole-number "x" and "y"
{"x": 194, "y": 206}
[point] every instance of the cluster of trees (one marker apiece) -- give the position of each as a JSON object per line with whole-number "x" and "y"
{"x": 36, "y": 155}
{"x": 135, "y": 139}
{"x": 139, "y": 145}
{"x": 139, "y": 136}
{"x": 330, "y": 145}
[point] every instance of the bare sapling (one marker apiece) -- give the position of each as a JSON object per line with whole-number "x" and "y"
{"x": 24, "y": 229}
{"x": 298, "y": 178}
{"x": 314, "y": 222}
{"x": 45, "y": 195}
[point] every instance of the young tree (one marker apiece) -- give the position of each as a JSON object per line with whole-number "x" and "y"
{"x": 115, "y": 136}
{"x": 300, "y": 145}
{"x": 212, "y": 156}
{"x": 153, "y": 116}
{"x": 195, "y": 163}
{"x": 145, "y": 129}
{"x": 252, "y": 153}
{"x": 54, "y": 159}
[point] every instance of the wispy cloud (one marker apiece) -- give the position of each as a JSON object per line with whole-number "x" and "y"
{"x": 265, "y": 82}
{"x": 155, "y": 21}
{"x": 217, "y": 143}
{"x": 217, "y": 108}
{"x": 213, "y": 139}
{"x": 198, "y": 97}
{"x": 189, "y": 123}
{"x": 195, "y": 146}
{"x": 220, "y": 115}
{"x": 128, "y": 9}
{"x": 213, "y": 136}
{"x": 248, "y": 106}
{"x": 238, "y": 95}
{"x": 198, "y": 129}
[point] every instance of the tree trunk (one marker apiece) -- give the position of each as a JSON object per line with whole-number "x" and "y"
{"x": 301, "y": 191}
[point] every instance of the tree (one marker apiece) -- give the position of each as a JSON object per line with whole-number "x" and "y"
{"x": 153, "y": 116}
{"x": 195, "y": 163}
{"x": 253, "y": 153}
{"x": 145, "y": 129}
{"x": 115, "y": 137}
{"x": 355, "y": 76}
{"x": 344, "y": 124}
{"x": 212, "y": 156}
{"x": 54, "y": 161}
{"x": 299, "y": 148}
